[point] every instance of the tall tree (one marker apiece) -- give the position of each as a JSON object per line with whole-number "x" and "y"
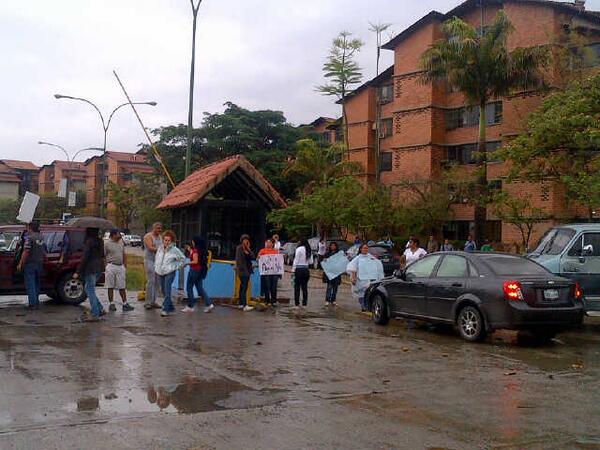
{"x": 378, "y": 29}
{"x": 562, "y": 144}
{"x": 316, "y": 165}
{"x": 342, "y": 71}
{"x": 478, "y": 63}
{"x": 264, "y": 137}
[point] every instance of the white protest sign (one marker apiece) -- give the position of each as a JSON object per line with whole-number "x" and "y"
{"x": 72, "y": 199}
{"x": 335, "y": 265}
{"x": 62, "y": 188}
{"x": 271, "y": 264}
{"x": 28, "y": 207}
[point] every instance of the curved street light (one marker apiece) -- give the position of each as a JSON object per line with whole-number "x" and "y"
{"x": 70, "y": 158}
{"x": 105, "y": 125}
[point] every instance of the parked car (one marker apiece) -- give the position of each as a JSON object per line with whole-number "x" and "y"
{"x": 289, "y": 250}
{"x": 573, "y": 251}
{"x": 479, "y": 293}
{"x": 133, "y": 240}
{"x": 64, "y": 248}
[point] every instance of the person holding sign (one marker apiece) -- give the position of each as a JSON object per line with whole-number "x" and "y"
{"x": 334, "y": 283}
{"x": 364, "y": 269}
{"x": 268, "y": 266}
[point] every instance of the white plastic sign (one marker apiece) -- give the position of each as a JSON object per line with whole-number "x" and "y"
{"x": 28, "y": 207}
{"x": 72, "y": 199}
{"x": 271, "y": 264}
{"x": 335, "y": 265}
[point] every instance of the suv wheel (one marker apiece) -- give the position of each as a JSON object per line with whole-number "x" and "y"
{"x": 470, "y": 324}
{"x": 70, "y": 290}
{"x": 380, "y": 311}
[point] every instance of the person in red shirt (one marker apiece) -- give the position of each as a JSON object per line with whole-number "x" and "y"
{"x": 269, "y": 282}
{"x": 198, "y": 271}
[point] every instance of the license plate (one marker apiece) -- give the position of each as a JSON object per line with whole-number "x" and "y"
{"x": 551, "y": 294}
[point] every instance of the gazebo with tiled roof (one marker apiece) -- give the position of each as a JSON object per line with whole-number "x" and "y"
{"x": 220, "y": 202}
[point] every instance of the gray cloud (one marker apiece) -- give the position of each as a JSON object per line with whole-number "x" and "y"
{"x": 257, "y": 53}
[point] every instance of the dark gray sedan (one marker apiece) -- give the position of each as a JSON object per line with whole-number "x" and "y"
{"x": 479, "y": 293}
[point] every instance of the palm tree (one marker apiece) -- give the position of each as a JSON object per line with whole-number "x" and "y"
{"x": 478, "y": 63}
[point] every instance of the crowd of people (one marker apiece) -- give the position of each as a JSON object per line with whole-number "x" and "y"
{"x": 163, "y": 259}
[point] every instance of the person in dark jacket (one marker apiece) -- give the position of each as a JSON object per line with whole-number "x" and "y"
{"x": 243, "y": 269}
{"x": 90, "y": 268}
{"x": 334, "y": 284}
{"x": 31, "y": 263}
{"x": 198, "y": 271}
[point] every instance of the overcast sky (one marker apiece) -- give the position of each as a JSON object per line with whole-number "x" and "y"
{"x": 257, "y": 53}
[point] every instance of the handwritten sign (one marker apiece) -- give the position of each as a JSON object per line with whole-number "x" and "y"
{"x": 28, "y": 207}
{"x": 335, "y": 265}
{"x": 271, "y": 264}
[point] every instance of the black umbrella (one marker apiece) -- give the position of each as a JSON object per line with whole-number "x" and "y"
{"x": 91, "y": 222}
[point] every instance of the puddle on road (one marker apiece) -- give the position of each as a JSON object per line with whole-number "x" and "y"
{"x": 190, "y": 397}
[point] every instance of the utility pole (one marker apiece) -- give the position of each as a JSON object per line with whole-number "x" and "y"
{"x": 188, "y": 151}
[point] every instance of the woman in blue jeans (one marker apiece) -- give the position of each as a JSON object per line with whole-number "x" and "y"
{"x": 90, "y": 268}
{"x": 169, "y": 259}
{"x": 198, "y": 270}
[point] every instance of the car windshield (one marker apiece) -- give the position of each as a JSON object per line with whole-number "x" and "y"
{"x": 555, "y": 241}
{"x": 134, "y": 236}
{"x": 9, "y": 240}
{"x": 514, "y": 265}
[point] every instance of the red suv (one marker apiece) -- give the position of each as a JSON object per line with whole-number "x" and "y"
{"x": 64, "y": 248}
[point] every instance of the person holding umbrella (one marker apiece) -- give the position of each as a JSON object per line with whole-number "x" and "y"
{"x": 90, "y": 268}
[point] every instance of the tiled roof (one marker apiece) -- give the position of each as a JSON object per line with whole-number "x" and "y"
{"x": 469, "y": 4}
{"x": 203, "y": 180}
{"x": 22, "y": 165}
{"x": 69, "y": 165}
{"x": 8, "y": 174}
{"x": 127, "y": 157}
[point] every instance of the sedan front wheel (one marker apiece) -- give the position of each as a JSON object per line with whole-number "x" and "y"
{"x": 380, "y": 311}
{"x": 470, "y": 324}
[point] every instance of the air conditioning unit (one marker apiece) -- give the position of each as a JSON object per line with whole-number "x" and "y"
{"x": 382, "y": 135}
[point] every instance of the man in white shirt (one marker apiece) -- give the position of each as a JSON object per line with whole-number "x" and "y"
{"x": 414, "y": 252}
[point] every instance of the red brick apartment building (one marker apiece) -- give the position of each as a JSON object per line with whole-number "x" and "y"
{"x": 27, "y": 173}
{"x": 117, "y": 167}
{"x": 425, "y": 128}
{"x": 50, "y": 175}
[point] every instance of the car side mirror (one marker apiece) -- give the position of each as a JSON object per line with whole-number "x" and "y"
{"x": 399, "y": 273}
{"x": 588, "y": 250}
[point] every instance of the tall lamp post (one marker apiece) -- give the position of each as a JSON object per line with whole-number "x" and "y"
{"x": 105, "y": 126}
{"x": 70, "y": 159}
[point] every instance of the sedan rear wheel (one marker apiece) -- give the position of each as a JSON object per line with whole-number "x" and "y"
{"x": 470, "y": 324}
{"x": 380, "y": 312}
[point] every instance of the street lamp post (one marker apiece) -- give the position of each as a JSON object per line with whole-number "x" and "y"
{"x": 70, "y": 159}
{"x": 105, "y": 126}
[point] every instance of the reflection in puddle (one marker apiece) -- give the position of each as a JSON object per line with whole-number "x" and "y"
{"x": 189, "y": 397}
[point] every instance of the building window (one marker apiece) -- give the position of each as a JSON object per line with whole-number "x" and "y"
{"x": 468, "y": 153}
{"x": 386, "y": 93}
{"x": 386, "y": 128}
{"x": 468, "y": 116}
{"x": 385, "y": 161}
{"x": 339, "y": 134}
{"x": 324, "y": 137}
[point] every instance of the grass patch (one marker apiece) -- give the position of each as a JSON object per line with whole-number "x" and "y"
{"x": 136, "y": 273}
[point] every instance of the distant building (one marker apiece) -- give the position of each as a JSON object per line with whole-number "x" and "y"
{"x": 116, "y": 167}
{"x": 50, "y": 176}
{"x": 425, "y": 128}
{"x": 27, "y": 172}
{"x": 9, "y": 182}
{"x": 325, "y": 129}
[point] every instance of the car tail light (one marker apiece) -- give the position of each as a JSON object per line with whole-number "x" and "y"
{"x": 512, "y": 290}
{"x": 577, "y": 292}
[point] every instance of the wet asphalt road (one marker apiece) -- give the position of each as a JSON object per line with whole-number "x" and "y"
{"x": 261, "y": 380}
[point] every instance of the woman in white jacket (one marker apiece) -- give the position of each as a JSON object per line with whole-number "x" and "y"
{"x": 364, "y": 269}
{"x": 169, "y": 259}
